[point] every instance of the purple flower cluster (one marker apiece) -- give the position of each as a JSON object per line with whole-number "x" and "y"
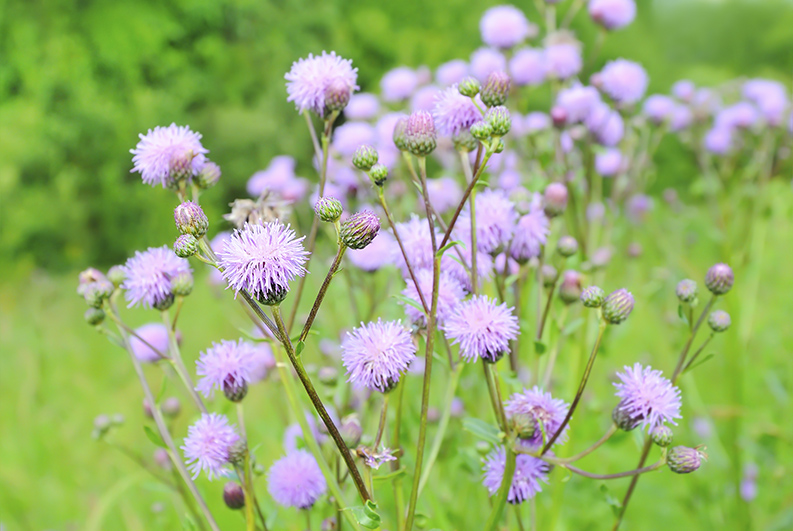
{"x": 482, "y": 328}
{"x": 208, "y": 444}
{"x": 376, "y": 354}
{"x": 647, "y": 397}
{"x": 149, "y": 276}
{"x": 296, "y": 480}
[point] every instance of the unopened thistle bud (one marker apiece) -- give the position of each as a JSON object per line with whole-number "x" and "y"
{"x": 567, "y": 246}
{"x": 208, "y": 176}
{"x": 593, "y": 297}
{"x": 237, "y": 453}
{"x": 171, "y": 407}
{"x": 116, "y": 275}
{"x": 235, "y": 389}
{"x": 499, "y": 119}
{"x": 570, "y": 288}
{"x": 481, "y": 130}
{"x": 233, "y": 495}
{"x": 364, "y": 158}
{"x": 719, "y": 321}
{"x": 378, "y": 174}
{"x": 558, "y": 117}
{"x": 351, "y": 431}
{"x": 548, "y": 274}
{"x": 617, "y": 306}
{"x": 662, "y": 436}
{"x": 523, "y": 425}
{"x": 337, "y": 95}
{"x": 495, "y": 90}
{"x": 182, "y": 284}
{"x": 422, "y": 139}
{"x": 165, "y": 303}
{"x": 469, "y": 87}
{"x": 498, "y": 145}
{"x": 328, "y": 209}
{"x": 190, "y": 219}
{"x": 684, "y": 460}
{"x": 623, "y": 419}
{"x": 686, "y": 291}
{"x": 185, "y": 246}
{"x": 94, "y": 316}
{"x": 360, "y": 229}
{"x": 719, "y": 279}
{"x": 93, "y": 295}
{"x": 555, "y": 199}
{"x": 464, "y": 141}
{"x": 400, "y": 138}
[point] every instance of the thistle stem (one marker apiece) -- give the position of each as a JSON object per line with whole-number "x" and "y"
{"x": 399, "y": 496}
{"x": 609, "y": 433}
{"x": 178, "y": 364}
{"x": 381, "y": 424}
{"x": 247, "y": 485}
{"x": 466, "y": 194}
{"x": 581, "y": 387}
{"x": 322, "y": 291}
{"x": 503, "y": 490}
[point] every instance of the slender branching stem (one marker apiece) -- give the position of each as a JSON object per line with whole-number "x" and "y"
{"x": 178, "y": 364}
{"x": 609, "y": 433}
{"x": 322, "y": 291}
{"x": 697, "y": 353}
{"x": 503, "y": 490}
{"x": 466, "y": 194}
{"x": 381, "y": 424}
{"x": 247, "y": 484}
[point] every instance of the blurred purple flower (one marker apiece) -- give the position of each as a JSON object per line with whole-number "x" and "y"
{"x": 546, "y": 412}
{"x": 454, "y": 112}
{"x": 624, "y": 81}
{"x": 452, "y": 72}
{"x": 485, "y": 61}
{"x": 398, "y": 84}
{"x": 362, "y": 106}
{"x": 505, "y": 26}
{"x": 563, "y": 60}
{"x": 609, "y": 162}
{"x": 296, "y": 480}
{"x": 531, "y": 232}
{"x": 375, "y": 255}
{"x": 527, "y": 67}
{"x": 612, "y": 14}
{"x": 309, "y": 80}
{"x": 450, "y": 292}
{"x": 156, "y": 335}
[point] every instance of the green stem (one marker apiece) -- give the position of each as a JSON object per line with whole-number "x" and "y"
{"x": 580, "y": 392}
{"x": 322, "y": 291}
{"x": 381, "y": 424}
{"x": 178, "y": 364}
{"x": 250, "y": 519}
{"x": 609, "y": 433}
{"x": 480, "y": 169}
{"x": 503, "y": 490}
{"x": 399, "y": 496}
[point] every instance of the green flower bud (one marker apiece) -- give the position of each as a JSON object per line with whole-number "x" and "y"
{"x": 495, "y": 90}
{"x": 499, "y": 119}
{"x": 94, "y": 316}
{"x": 570, "y": 288}
{"x": 683, "y": 460}
{"x": 190, "y": 219}
{"x": 593, "y": 297}
{"x": 686, "y": 291}
{"x": 328, "y": 376}
{"x": 465, "y": 141}
{"x": 116, "y": 275}
{"x": 378, "y": 174}
{"x": 719, "y": 321}
{"x": 351, "y": 431}
{"x": 662, "y": 436}
{"x": 185, "y": 246}
{"x": 208, "y": 176}
{"x": 360, "y": 229}
{"x": 182, "y": 284}
{"x": 364, "y": 158}
{"x": 567, "y": 246}
{"x": 549, "y": 275}
{"x": 719, "y": 279}
{"x": 481, "y": 130}
{"x": 617, "y": 306}
{"x": 422, "y": 139}
{"x": 400, "y": 138}
{"x": 469, "y": 87}
{"x": 328, "y": 209}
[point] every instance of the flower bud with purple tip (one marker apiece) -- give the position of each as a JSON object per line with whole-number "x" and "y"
{"x": 617, "y": 306}
{"x": 555, "y": 199}
{"x": 719, "y": 321}
{"x": 328, "y": 209}
{"x": 719, "y": 279}
{"x": 592, "y": 297}
{"x": 233, "y": 495}
{"x": 364, "y": 158}
{"x": 420, "y": 134}
{"x": 185, "y": 246}
{"x": 570, "y": 288}
{"x": 190, "y": 219}
{"x": 686, "y": 291}
{"x": 208, "y": 176}
{"x": 496, "y": 88}
{"x": 360, "y": 229}
{"x": 662, "y": 436}
{"x": 684, "y": 460}
{"x": 548, "y": 274}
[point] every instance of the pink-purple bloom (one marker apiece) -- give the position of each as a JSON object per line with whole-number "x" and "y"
{"x": 647, "y": 397}
{"x": 505, "y": 26}
{"x": 452, "y": 72}
{"x": 531, "y": 232}
{"x": 168, "y": 152}
{"x": 624, "y": 81}
{"x": 563, "y": 60}
{"x": 719, "y": 140}
{"x": 450, "y": 292}
{"x": 313, "y": 79}
{"x": 546, "y": 412}
{"x": 612, "y": 14}
{"x": 227, "y": 366}
{"x": 454, "y": 112}
{"x": 495, "y": 220}
{"x": 526, "y": 483}
{"x": 659, "y": 108}
{"x": 376, "y": 354}
{"x": 296, "y": 480}
{"x": 362, "y": 106}
{"x": 485, "y": 61}
{"x": 609, "y": 162}
{"x": 769, "y": 96}
{"x": 605, "y": 124}
{"x": 577, "y": 102}
{"x": 445, "y": 193}
{"x": 375, "y": 255}
{"x": 482, "y": 328}
{"x": 148, "y": 276}
{"x": 208, "y": 444}
{"x": 278, "y": 178}
{"x": 147, "y": 336}
{"x": 528, "y": 67}
{"x": 263, "y": 259}
{"x": 399, "y": 83}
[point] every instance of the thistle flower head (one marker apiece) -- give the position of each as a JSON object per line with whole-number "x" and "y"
{"x": 684, "y": 460}
{"x": 328, "y": 209}
{"x": 686, "y": 290}
{"x": 360, "y": 229}
{"x": 228, "y": 366}
{"x": 451, "y": 72}
{"x": 486, "y": 60}
{"x": 399, "y": 83}
{"x": 362, "y": 106}
{"x": 605, "y": 124}
{"x": 624, "y": 81}
{"x": 662, "y": 436}
{"x": 530, "y": 472}
{"x": 617, "y": 306}
{"x": 321, "y": 82}
{"x": 505, "y": 26}
{"x": 450, "y": 292}
{"x": 190, "y": 219}
{"x": 208, "y": 445}
{"x": 719, "y": 279}
{"x": 612, "y": 14}
{"x": 167, "y": 154}
{"x": 454, "y": 112}
{"x": 546, "y": 414}
{"x": 149, "y": 276}
{"x": 482, "y": 328}
{"x": 376, "y": 354}
{"x": 592, "y": 297}
{"x": 528, "y": 67}
{"x": 563, "y": 60}
{"x": 609, "y": 162}
{"x": 415, "y": 236}
{"x": 719, "y": 321}
{"x": 577, "y": 102}
{"x": 648, "y": 398}
{"x": 296, "y": 480}
{"x": 531, "y": 233}
{"x": 263, "y": 259}
{"x": 147, "y": 336}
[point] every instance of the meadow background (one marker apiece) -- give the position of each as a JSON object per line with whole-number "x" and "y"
{"x": 80, "y": 80}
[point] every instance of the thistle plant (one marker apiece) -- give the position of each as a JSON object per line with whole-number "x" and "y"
{"x": 494, "y": 231}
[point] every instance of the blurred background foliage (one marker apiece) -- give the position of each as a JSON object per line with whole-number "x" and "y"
{"x": 79, "y": 81}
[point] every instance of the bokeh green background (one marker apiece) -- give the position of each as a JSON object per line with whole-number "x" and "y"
{"x": 80, "y": 80}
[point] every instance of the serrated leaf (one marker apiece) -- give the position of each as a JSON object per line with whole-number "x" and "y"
{"x": 447, "y": 247}
{"x": 573, "y": 326}
{"x": 482, "y": 430}
{"x": 540, "y": 348}
{"x": 366, "y": 515}
{"x": 154, "y": 437}
{"x": 417, "y": 305}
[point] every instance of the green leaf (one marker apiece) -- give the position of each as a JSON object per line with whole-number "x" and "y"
{"x": 366, "y": 515}
{"x": 682, "y": 313}
{"x": 573, "y": 326}
{"x": 611, "y": 500}
{"x": 407, "y": 300}
{"x": 154, "y": 437}
{"x": 510, "y": 280}
{"x": 447, "y": 247}
{"x": 540, "y": 348}
{"x": 483, "y": 430}
{"x": 701, "y": 361}
{"x": 299, "y": 348}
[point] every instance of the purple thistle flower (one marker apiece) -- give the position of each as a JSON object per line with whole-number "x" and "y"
{"x": 495, "y": 220}
{"x": 445, "y": 193}
{"x": 482, "y": 328}
{"x": 605, "y": 124}
{"x": 351, "y": 135}
{"x": 529, "y": 472}
{"x": 375, "y": 255}
{"x": 612, "y": 14}
{"x": 684, "y": 90}
{"x": 399, "y": 83}
{"x": 148, "y": 276}
{"x": 453, "y": 112}
{"x": 624, "y": 81}
{"x": 424, "y": 98}
{"x": 485, "y": 61}
{"x": 563, "y": 60}
{"x": 168, "y": 152}
{"x": 682, "y": 117}
{"x": 531, "y": 232}
{"x": 296, "y": 480}
{"x": 263, "y": 259}
{"x": 659, "y": 108}
{"x": 647, "y": 397}
{"x": 227, "y": 366}
{"x": 577, "y": 102}
{"x": 450, "y": 292}
{"x": 528, "y": 67}
{"x": 452, "y": 72}
{"x": 769, "y": 96}
{"x": 719, "y": 140}
{"x": 156, "y": 335}
{"x": 415, "y": 236}
{"x": 742, "y": 115}
{"x": 505, "y": 26}
{"x": 609, "y": 162}
{"x": 362, "y": 106}
{"x": 376, "y": 354}
{"x": 280, "y": 178}
{"x": 546, "y": 413}
{"x": 208, "y": 444}
{"x": 536, "y": 121}
{"x": 312, "y": 80}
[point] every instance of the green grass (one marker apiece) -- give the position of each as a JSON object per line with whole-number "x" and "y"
{"x": 56, "y": 375}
